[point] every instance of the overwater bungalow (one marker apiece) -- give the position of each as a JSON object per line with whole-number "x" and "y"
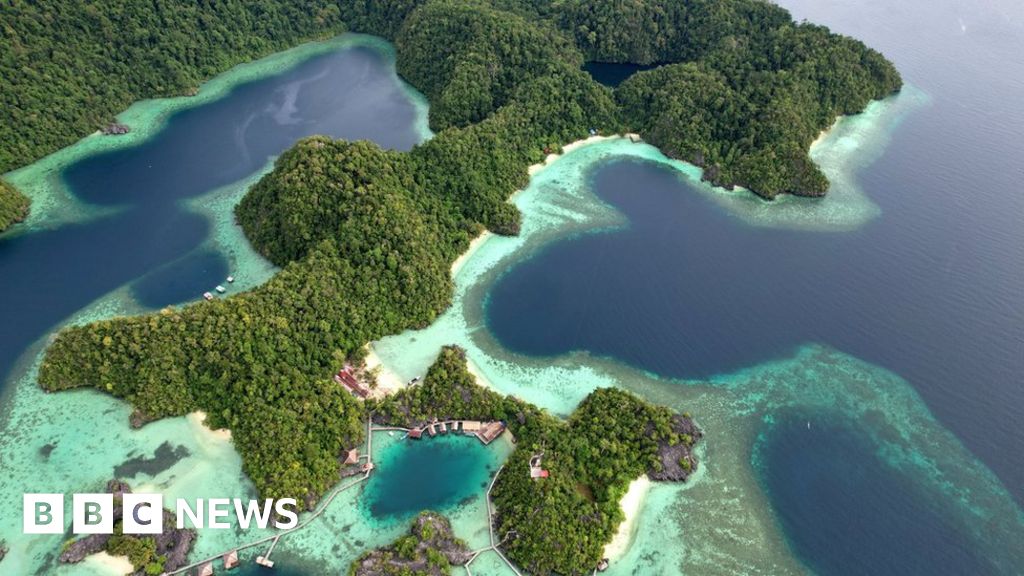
{"x": 265, "y": 562}
{"x": 220, "y": 289}
{"x": 431, "y": 430}
{"x": 352, "y": 456}
{"x": 489, "y": 431}
{"x": 231, "y": 560}
{"x": 442, "y": 428}
{"x": 206, "y": 569}
{"x": 208, "y": 296}
{"x": 416, "y": 433}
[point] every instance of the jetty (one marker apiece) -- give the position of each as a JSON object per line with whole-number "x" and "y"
{"x": 485, "y": 432}
{"x": 205, "y": 566}
{"x": 490, "y": 529}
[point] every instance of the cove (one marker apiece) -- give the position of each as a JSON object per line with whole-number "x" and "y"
{"x": 145, "y": 236}
{"x": 614, "y": 73}
{"x": 431, "y": 474}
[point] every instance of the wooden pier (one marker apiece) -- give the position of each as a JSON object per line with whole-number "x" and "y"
{"x": 264, "y": 560}
{"x": 466, "y": 427}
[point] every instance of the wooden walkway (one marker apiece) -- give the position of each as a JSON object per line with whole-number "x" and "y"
{"x": 274, "y": 538}
{"x": 490, "y": 528}
{"x": 370, "y": 429}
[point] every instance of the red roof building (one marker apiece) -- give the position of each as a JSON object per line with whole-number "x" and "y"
{"x": 348, "y": 380}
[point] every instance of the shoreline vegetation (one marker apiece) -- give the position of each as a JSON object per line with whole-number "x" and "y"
{"x": 367, "y": 239}
{"x": 14, "y": 206}
{"x": 595, "y": 464}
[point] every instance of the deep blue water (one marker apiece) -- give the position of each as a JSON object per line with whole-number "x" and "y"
{"x": 933, "y": 290}
{"x": 614, "y": 73}
{"x": 153, "y": 241}
{"x": 844, "y": 472}
{"x": 430, "y": 474}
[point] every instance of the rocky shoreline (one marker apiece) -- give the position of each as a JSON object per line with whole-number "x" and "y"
{"x": 678, "y": 460}
{"x": 172, "y": 544}
{"x": 429, "y": 548}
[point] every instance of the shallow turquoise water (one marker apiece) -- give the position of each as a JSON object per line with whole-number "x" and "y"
{"x": 430, "y": 474}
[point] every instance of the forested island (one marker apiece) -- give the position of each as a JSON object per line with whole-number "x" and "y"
{"x": 149, "y": 555}
{"x": 561, "y": 522}
{"x": 366, "y": 237}
{"x": 429, "y": 549}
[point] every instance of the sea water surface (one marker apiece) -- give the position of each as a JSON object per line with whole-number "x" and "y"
{"x": 930, "y": 291}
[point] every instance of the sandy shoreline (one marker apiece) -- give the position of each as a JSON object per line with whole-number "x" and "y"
{"x": 631, "y": 503}
{"x": 474, "y": 245}
{"x": 532, "y": 170}
{"x": 387, "y": 381}
{"x": 104, "y": 563}
{"x": 198, "y": 420}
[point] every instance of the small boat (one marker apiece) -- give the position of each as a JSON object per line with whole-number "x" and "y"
{"x": 391, "y": 433}
{"x": 207, "y": 295}
{"x": 231, "y": 279}
{"x": 221, "y": 289}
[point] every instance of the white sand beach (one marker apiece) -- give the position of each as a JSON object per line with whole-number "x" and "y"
{"x": 103, "y": 563}
{"x": 532, "y": 170}
{"x": 198, "y": 421}
{"x": 387, "y": 381}
{"x": 473, "y": 247}
{"x": 631, "y": 503}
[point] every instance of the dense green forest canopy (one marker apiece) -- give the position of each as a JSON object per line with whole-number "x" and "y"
{"x": 561, "y": 522}
{"x": 13, "y": 205}
{"x": 365, "y": 237}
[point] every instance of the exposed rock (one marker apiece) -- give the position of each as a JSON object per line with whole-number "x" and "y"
{"x": 172, "y": 543}
{"x": 410, "y": 554}
{"x": 678, "y": 461}
{"x": 116, "y": 129}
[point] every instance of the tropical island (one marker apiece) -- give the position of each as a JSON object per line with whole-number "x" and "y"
{"x": 557, "y": 499}
{"x": 155, "y": 554}
{"x": 430, "y": 549}
{"x": 366, "y": 237}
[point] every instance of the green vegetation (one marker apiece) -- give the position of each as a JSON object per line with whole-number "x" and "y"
{"x": 365, "y": 237}
{"x": 430, "y": 549}
{"x": 748, "y": 114}
{"x": 140, "y": 550}
{"x": 561, "y": 522}
{"x": 147, "y": 554}
{"x": 13, "y": 205}
{"x": 67, "y": 66}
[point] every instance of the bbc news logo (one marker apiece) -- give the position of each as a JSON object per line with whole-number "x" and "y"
{"x": 144, "y": 513}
